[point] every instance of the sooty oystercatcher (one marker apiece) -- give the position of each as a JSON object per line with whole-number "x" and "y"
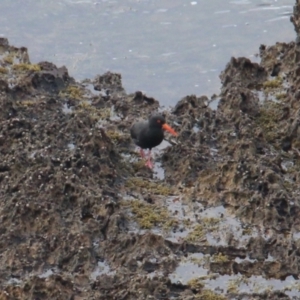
{"x": 149, "y": 134}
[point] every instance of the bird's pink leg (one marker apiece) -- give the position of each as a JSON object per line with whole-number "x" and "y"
{"x": 142, "y": 153}
{"x": 149, "y": 163}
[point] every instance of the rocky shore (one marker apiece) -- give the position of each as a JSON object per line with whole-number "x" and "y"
{"x": 81, "y": 217}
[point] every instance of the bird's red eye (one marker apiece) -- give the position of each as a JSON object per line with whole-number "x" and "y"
{"x": 158, "y": 121}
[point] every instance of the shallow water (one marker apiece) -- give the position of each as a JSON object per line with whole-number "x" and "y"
{"x": 188, "y": 270}
{"x": 165, "y": 48}
{"x": 101, "y": 268}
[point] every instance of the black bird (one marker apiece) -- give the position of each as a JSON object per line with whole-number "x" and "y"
{"x": 149, "y": 134}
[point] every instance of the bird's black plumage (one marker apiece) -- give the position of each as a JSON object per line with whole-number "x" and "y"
{"x": 148, "y": 134}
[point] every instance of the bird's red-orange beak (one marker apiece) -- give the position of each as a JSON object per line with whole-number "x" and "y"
{"x": 170, "y": 129}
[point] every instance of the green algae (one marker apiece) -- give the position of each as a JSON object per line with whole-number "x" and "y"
{"x": 196, "y": 284}
{"x": 26, "y": 67}
{"x": 281, "y": 96}
{"x": 272, "y": 84}
{"x": 104, "y": 113}
{"x": 115, "y": 135}
{"x": 149, "y": 186}
{"x": 210, "y": 222}
{"x": 233, "y": 284}
{"x": 209, "y": 295}
{"x": 72, "y": 91}
{"x": 198, "y": 234}
{"x": 26, "y": 103}
{"x": 9, "y": 59}
{"x": 3, "y": 70}
{"x": 150, "y": 215}
{"x": 268, "y": 119}
{"x": 87, "y": 107}
{"x": 138, "y": 165}
{"x": 219, "y": 258}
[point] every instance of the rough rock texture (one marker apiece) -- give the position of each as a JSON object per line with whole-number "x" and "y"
{"x": 83, "y": 218}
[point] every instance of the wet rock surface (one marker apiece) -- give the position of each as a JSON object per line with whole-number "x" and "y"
{"x": 83, "y": 218}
